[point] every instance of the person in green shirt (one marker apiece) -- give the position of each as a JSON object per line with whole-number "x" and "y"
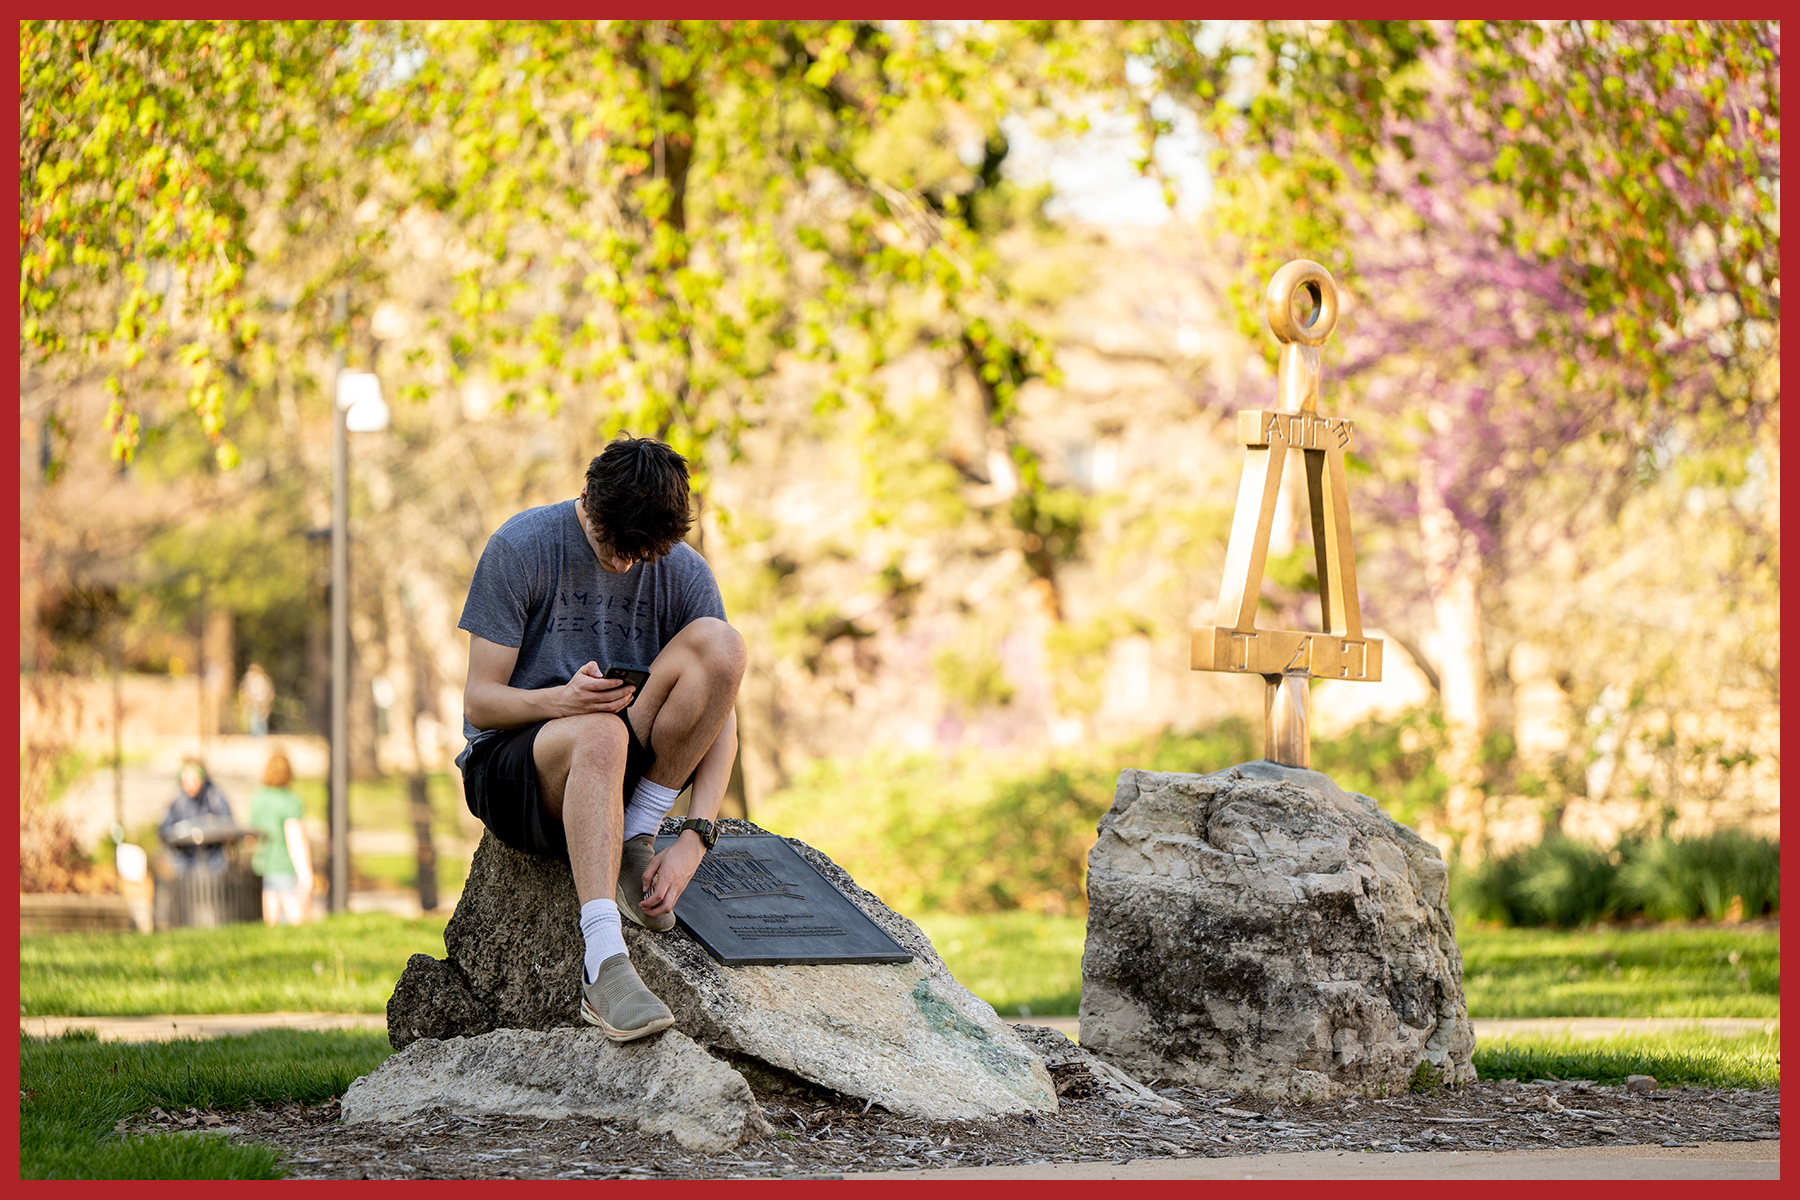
{"x": 281, "y": 856}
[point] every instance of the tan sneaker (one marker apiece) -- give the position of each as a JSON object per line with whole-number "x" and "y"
{"x": 634, "y": 860}
{"x": 620, "y": 1004}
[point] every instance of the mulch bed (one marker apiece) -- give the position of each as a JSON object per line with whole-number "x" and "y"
{"x": 818, "y": 1135}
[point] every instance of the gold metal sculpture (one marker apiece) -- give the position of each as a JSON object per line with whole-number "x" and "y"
{"x": 1302, "y": 307}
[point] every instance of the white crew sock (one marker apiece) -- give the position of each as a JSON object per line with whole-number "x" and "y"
{"x": 648, "y": 805}
{"x": 600, "y": 930}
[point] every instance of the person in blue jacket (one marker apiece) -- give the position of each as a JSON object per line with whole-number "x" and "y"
{"x": 198, "y": 806}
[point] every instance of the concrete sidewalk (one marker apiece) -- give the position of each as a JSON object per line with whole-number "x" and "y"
{"x": 1708, "y": 1160}
{"x": 167, "y": 1028}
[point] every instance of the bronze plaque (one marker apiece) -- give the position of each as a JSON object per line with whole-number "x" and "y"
{"x": 754, "y": 900}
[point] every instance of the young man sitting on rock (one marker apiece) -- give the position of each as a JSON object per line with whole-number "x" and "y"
{"x": 564, "y": 761}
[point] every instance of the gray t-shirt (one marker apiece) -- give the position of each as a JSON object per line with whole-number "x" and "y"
{"x": 539, "y": 587}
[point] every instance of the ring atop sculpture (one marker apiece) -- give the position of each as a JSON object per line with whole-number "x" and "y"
{"x": 1302, "y": 303}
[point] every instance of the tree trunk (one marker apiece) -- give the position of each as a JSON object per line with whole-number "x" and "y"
{"x": 216, "y": 671}
{"x": 365, "y": 640}
{"x": 736, "y": 802}
{"x": 318, "y": 664}
{"x": 759, "y": 726}
{"x": 404, "y": 673}
{"x": 1453, "y": 573}
{"x": 1770, "y": 443}
{"x": 427, "y": 853}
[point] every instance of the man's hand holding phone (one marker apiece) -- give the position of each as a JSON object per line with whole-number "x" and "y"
{"x": 590, "y": 691}
{"x": 632, "y": 673}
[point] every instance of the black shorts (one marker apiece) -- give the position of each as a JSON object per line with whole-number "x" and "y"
{"x": 500, "y": 786}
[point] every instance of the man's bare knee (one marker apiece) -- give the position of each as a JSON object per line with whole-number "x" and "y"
{"x": 718, "y": 646}
{"x": 596, "y": 740}
{"x": 569, "y": 747}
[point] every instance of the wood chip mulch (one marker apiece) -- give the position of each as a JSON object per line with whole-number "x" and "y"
{"x": 819, "y": 1135}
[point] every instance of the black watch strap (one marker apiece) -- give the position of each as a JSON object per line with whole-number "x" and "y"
{"x": 709, "y": 833}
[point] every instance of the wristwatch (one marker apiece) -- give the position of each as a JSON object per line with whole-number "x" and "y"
{"x": 709, "y": 833}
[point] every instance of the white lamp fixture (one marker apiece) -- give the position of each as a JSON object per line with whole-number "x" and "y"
{"x": 359, "y": 395}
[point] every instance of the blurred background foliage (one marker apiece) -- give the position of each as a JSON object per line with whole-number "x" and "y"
{"x": 962, "y": 448}
{"x": 1725, "y": 875}
{"x": 972, "y": 836}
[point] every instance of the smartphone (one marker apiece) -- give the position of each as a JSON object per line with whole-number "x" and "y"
{"x": 635, "y": 674}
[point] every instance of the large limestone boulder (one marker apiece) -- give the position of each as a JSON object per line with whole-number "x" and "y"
{"x": 1262, "y": 930}
{"x": 664, "y": 1084}
{"x": 906, "y": 1036}
{"x": 515, "y": 953}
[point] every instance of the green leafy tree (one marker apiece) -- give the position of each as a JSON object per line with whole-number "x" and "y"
{"x": 1644, "y": 156}
{"x": 624, "y": 190}
{"x": 642, "y": 218}
{"x": 148, "y": 151}
{"x": 661, "y": 209}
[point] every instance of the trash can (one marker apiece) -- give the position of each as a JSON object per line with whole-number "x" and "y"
{"x": 203, "y": 899}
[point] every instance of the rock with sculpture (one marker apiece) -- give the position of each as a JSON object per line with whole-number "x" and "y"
{"x": 1260, "y": 929}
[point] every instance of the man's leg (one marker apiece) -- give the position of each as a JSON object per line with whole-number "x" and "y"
{"x": 680, "y": 715}
{"x": 693, "y": 684}
{"x": 581, "y": 768}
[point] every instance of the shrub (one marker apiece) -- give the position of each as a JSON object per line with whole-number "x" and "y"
{"x": 1681, "y": 879}
{"x": 972, "y": 835}
{"x": 1559, "y": 881}
{"x": 50, "y": 857}
{"x": 1564, "y": 882}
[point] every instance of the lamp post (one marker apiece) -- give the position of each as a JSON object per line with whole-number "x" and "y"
{"x": 358, "y": 408}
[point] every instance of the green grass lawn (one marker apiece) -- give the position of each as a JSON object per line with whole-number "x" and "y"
{"x": 72, "y": 1091}
{"x": 1018, "y": 962}
{"x": 1672, "y": 971}
{"x": 1687, "y": 1056}
{"x": 345, "y": 963}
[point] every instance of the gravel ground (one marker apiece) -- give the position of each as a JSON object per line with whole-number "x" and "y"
{"x": 818, "y": 1135}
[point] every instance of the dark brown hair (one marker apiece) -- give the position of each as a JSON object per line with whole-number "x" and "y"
{"x": 637, "y": 497}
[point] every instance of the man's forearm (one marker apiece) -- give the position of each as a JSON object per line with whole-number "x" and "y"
{"x": 497, "y": 706}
